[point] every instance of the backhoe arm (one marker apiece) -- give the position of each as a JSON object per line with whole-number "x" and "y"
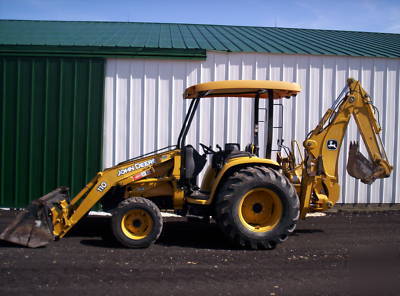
{"x": 319, "y": 181}
{"x": 358, "y": 166}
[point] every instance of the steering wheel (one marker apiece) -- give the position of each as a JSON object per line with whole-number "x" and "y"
{"x": 206, "y": 149}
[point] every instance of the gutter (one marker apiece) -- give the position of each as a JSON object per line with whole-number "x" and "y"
{"x": 103, "y": 52}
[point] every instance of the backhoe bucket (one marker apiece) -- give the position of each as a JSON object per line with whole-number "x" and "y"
{"x": 33, "y": 227}
{"x": 360, "y": 167}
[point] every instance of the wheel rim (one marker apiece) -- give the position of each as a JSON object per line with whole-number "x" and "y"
{"x": 260, "y": 210}
{"x": 136, "y": 224}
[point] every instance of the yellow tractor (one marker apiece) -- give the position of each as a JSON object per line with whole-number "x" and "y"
{"x": 255, "y": 201}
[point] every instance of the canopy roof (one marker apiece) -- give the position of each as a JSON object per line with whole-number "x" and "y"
{"x": 242, "y": 88}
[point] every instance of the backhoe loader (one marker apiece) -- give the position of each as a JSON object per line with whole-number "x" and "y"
{"x": 255, "y": 201}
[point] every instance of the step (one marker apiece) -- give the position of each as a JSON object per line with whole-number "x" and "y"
{"x": 200, "y": 195}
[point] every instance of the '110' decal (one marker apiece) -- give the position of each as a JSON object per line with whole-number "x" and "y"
{"x": 102, "y": 186}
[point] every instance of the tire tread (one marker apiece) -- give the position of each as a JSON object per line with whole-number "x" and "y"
{"x": 244, "y": 178}
{"x": 138, "y": 201}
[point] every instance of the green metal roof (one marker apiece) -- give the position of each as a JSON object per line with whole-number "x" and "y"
{"x": 187, "y": 40}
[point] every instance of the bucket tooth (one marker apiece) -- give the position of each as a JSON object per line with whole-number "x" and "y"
{"x": 360, "y": 167}
{"x": 33, "y": 226}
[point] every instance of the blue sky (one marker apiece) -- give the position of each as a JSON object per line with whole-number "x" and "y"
{"x": 356, "y": 15}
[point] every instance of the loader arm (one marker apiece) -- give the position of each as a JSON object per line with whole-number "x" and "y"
{"x": 319, "y": 188}
{"x": 54, "y": 214}
{"x": 66, "y": 214}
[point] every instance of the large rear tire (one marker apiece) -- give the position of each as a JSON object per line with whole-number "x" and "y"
{"x": 257, "y": 208}
{"x": 136, "y": 222}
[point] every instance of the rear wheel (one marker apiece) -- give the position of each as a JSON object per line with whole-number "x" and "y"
{"x": 136, "y": 222}
{"x": 257, "y": 208}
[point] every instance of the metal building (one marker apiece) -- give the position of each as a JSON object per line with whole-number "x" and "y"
{"x": 57, "y": 118}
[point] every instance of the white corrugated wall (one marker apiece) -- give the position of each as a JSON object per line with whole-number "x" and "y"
{"x": 144, "y": 108}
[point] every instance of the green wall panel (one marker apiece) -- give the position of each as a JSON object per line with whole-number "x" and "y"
{"x": 51, "y": 125}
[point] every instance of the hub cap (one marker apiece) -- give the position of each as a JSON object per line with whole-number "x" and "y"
{"x": 260, "y": 210}
{"x": 136, "y": 224}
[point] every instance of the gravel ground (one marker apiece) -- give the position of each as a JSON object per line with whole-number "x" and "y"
{"x": 339, "y": 254}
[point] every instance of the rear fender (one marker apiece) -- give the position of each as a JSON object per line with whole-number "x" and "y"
{"x": 233, "y": 165}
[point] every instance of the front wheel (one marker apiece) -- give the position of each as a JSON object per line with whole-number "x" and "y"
{"x": 136, "y": 222}
{"x": 257, "y": 208}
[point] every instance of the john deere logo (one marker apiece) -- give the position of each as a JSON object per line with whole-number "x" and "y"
{"x": 331, "y": 144}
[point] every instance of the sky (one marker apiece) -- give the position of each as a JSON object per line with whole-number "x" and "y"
{"x": 355, "y": 15}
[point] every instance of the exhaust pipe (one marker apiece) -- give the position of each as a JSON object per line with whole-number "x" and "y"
{"x": 33, "y": 227}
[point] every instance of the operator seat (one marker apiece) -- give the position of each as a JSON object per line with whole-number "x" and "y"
{"x": 193, "y": 164}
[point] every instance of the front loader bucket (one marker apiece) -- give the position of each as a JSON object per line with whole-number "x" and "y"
{"x": 359, "y": 167}
{"x": 33, "y": 227}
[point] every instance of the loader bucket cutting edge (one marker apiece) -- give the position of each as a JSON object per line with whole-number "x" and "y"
{"x": 33, "y": 227}
{"x": 359, "y": 167}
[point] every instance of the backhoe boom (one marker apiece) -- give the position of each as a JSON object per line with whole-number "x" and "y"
{"x": 319, "y": 188}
